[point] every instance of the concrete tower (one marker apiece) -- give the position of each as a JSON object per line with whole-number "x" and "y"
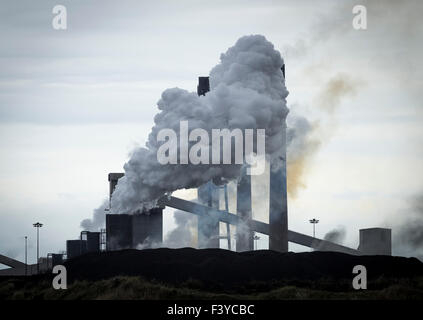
{"x": 113, "y": 180}
{"x": 278, "y": 205}
{"x": 208, "y": 194}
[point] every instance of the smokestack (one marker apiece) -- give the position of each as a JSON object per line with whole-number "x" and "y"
{"x": 113, "y": 180}
{"x": 203, "y": 86}
{"x": 244, "y": 235}
{"x": 278, "y": 206}
{"x": 278, "y": 211}
{"x": 208, "y": 194}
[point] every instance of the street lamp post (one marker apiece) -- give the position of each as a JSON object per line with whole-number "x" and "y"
{"x": 38, "y": 226}
{"x": 314, "y": 222}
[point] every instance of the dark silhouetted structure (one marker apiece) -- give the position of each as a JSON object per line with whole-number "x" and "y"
{"x": 375, "y": 241}
{"x": 75, "y": 248}
{"x": 134, "y": 231}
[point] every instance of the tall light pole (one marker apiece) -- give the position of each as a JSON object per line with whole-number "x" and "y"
{"x": 38, "y": 226}
{"x": 26, "y": 255}
{"x": 314, "y": 222}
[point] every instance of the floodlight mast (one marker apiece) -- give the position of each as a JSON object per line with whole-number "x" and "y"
{"x": 38, "y": 226}
{"x": 314, "y": 221}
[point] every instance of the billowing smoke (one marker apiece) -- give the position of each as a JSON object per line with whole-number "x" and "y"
{"x": 185, "y": 233}
{"x": 336, "y": 235}
{"x": 301, "y": 148}
{"x": 393, "y": 22}
{"x": 338, "y": 87}
{"x": 408, "y": 234}
{"x": 98, "y": 220}
{"x": 304, "y": 138}
{"x": 247, "y": 92}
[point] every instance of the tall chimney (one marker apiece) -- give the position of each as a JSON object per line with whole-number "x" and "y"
{"x": 278, "y": 205}
{"x": 113, "y": 180}
{"x": 208, "y": 194}
{"x": 203, "y": 86}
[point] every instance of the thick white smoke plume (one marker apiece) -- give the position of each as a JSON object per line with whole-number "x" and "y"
{"x": 301, "y": 147}
{"x": 247, "y": 92}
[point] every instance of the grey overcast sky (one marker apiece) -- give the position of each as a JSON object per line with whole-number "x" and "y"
{"x": 75, "y": 102}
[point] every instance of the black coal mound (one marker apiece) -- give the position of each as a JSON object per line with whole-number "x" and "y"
{"x": 231, "y": 268}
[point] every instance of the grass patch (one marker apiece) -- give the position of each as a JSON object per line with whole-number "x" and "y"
{"x": 137, "y": 288}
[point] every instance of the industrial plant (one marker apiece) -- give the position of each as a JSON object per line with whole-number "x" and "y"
{"x": 141, "y": 230}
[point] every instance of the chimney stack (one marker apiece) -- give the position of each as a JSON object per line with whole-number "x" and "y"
{"x": 208, "y": 194}
{"x": 278, "y": 205}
